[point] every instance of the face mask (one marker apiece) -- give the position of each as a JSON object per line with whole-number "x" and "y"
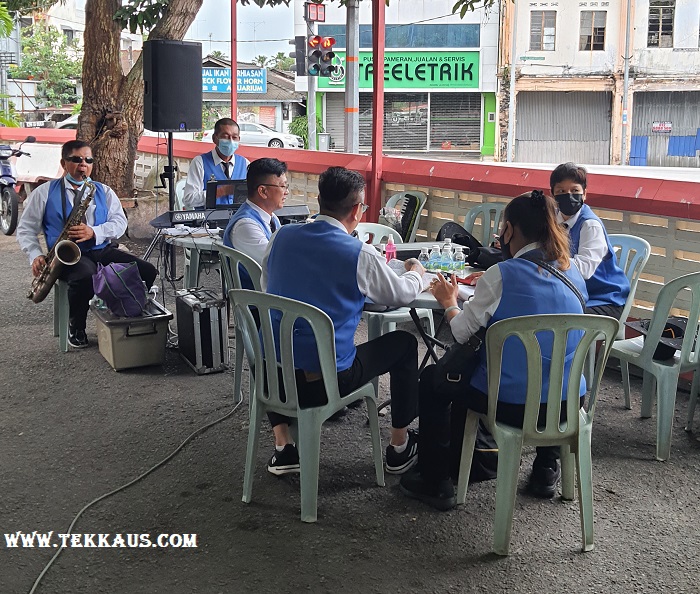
{"x": 569, "y": 204}
{"x": 76, "y": 182}
{"x": 227, "y": 147}
{"x": 505, "y": 247}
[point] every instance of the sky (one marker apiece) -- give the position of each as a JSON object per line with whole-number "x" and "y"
{"x": 212, "y": 28}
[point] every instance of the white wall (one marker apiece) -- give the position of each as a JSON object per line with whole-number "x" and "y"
{"x": 566, "y": 59}
{"x": 684, "y": 57}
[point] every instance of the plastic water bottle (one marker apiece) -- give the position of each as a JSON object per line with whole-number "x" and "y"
{"x": 434, "y": 259}
{"x": 390, "y": 249}
{"x": 423, "y": 258}
{"x": 447, "y": 243}
{"x": 458, "y": 262}
{"x": 446, "y": 260}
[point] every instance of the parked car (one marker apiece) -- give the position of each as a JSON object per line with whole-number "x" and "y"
{"x": 261, "y": 135}
{"x": 70, "y": 123}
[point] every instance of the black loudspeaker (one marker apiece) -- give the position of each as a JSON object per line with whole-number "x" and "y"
{"x": 172, "y": 77}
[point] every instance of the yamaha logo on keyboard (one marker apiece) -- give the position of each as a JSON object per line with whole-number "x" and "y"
{"x": 188, "y": 216}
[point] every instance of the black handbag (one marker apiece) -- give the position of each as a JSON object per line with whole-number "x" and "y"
{"x": 459, "y": 362}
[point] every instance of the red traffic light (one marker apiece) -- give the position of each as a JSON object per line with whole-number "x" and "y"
{"x": 327, "y": 42}
{"x": 315, "y": 40}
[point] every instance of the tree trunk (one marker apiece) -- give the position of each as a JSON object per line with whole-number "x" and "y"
{"x": 111, "y": 119}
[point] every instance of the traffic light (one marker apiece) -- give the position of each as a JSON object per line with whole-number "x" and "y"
{"x": 299, "y": 54}
{"x": 321, "y": 55}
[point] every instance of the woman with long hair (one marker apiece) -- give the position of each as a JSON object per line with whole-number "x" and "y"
{"x": 514, "y": 287}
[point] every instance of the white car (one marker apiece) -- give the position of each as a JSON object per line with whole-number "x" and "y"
{"x": 261, "y": 135}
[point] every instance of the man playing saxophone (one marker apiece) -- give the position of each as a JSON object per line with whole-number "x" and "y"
{"x": 46, "y": 211}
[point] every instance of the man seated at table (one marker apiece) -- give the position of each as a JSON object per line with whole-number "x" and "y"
{"x": 218, "y": 164}
{"x": 250, "y": 228}
{"x": 320, "y": 263}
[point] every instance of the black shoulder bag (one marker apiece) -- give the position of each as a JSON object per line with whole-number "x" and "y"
{"x": 460, "y": 359}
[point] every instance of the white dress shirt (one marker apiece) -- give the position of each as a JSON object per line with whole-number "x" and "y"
{"x": 249, "y": 238}
{"x": 592, "y": 246}
{"x": 375, "y": 279}
{"x": 30, "y": 225}
{"x": 477, "y": 312}
{"x": 194, "y": 195}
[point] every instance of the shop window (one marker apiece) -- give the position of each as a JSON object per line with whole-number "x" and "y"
{"x": 661, "y": 15}
{"x": 592, "y": 30}
{"x": 543, "y": 25}
{"x": 69, "y": 35}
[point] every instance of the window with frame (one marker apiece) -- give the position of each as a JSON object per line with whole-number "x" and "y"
{"x": 543, "y": 25}
{"x": 661, "y": 15}
{"x": 592, "y": 36}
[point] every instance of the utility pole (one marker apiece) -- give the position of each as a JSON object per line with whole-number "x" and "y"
{"x": 511, "y": 98}
{"x": 626, "y": 85}
{"x": 352, "y": 78}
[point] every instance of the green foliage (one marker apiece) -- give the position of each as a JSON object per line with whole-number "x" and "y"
{"x": 282, "y": 62}
{"x": 140, "y": 15}
{"x": 7, "y": 23}
{"x": 262, "y": 61}
{"x": 219, "y": 55}
{"x": 299, "y": 126}
{"x": 10, "y": 118}
{"x": 54, "y": 63}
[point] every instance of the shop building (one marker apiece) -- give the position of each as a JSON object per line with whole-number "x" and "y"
{"x": 439, "y": 72}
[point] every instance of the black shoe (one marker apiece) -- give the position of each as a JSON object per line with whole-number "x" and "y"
{"x": 399, "y": 463}
{"x": 544, "y": 480}
{"x": 441, "y": 495}
{"x": 284, "y": 462}
{"x": 77, "y": 339}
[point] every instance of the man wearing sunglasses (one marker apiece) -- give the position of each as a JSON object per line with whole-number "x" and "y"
{"x": 46, "y": 211}
{"x": 320, "y": 263}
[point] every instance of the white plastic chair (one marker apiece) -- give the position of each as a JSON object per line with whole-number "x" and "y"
{"x": 267, "y": 389}
{"x": 398, "y": 201}
{"x": 632, "y": 255}
{"x": 573, "y": 435}
{"x": 379, "y": 323}
{"x": 376, "y": 233}
{"x": 490, "y": 214}
{"x": 231, "y": 263}
{"x": 663, "y": 375}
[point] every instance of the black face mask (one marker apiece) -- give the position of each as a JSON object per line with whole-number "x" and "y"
{"x": 569, "y": 204}
{"x": 505, "y": 247}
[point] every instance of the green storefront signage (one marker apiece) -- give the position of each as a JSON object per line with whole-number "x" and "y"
{"x": 412, "y": 70}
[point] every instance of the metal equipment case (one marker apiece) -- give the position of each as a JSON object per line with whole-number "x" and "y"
{"x": 133, "y": 342}
{"x": 202, "y": 329}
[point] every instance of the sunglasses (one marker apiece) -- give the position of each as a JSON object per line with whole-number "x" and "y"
{"x": 79, "y": 160}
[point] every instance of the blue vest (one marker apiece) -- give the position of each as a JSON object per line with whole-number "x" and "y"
{"x": 529, "y": 291}
{"x": 53, "y": 221}
{"x": 217, "y": 172}
{"x": 247, "y": 212}
{"x": 608, "y": 285}
{"x": 317, "y": 264}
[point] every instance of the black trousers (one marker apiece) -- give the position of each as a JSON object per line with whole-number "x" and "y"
{"x": 614, "y": 311}
{"x": 79, "y": 279}
{"x": 395, "y": 353}
{"x": 434, "y": 424}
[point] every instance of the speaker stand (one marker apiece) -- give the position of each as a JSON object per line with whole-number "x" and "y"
{"x": 169, "y": 174}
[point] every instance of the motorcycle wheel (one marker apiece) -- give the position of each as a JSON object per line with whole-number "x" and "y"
{"x": 9, "y": 210}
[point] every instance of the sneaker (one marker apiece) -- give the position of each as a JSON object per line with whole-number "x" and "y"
{"x": 284, "y": 462}
{"x": 77, "y": 339}
{"x": 398, "y": 463}
{"x": 544, "y": 480}
{"x": 441, "y": 495}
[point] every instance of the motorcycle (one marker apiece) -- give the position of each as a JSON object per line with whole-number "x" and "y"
{"x": 9, "y": 200}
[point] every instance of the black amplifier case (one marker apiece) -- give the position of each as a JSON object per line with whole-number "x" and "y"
{"x": 202, "y": 329}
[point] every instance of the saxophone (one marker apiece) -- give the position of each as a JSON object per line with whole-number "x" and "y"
{"x": 64, "y": 252}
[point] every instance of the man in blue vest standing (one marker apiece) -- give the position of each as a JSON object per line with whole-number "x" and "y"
{"x": 218, "y": 164}
{"x": 46, "y": 211}
{"x": 322, "y": 264}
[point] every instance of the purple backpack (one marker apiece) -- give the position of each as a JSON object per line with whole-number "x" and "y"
{"x": 121, "y": 288}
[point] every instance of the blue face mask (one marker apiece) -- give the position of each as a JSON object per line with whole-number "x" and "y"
{"x": 227, "y": 147}
{"x": 76, "y": 182}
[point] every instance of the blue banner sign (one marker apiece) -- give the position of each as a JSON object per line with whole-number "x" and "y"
{"x": 250, "y": 80}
